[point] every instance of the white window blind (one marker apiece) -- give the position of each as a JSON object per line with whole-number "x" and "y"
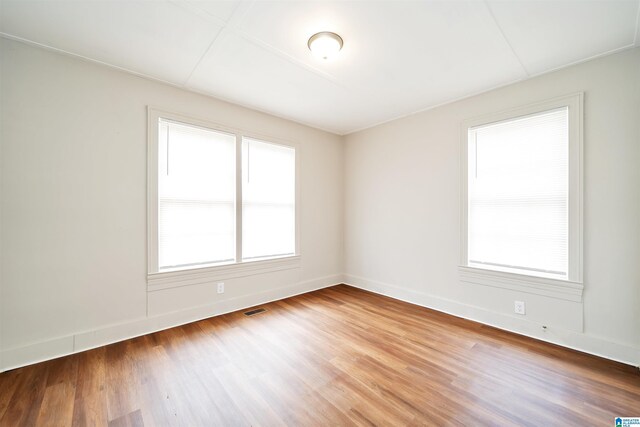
{"x": 196, "y": 196}
{"x": 518, "y": 190}
{"x": 268, "y": 199}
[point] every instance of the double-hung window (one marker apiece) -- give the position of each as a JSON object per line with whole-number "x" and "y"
{"x": 217, "y": 197}
{"x": 522, "y": 194}
{"x": 268, "y": 200}
{"x": 196, "y": 196}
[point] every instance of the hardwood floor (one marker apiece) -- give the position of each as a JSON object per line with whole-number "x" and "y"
{"x": 338, "y": 356}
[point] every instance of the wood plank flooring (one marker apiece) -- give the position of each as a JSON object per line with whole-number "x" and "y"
{"x": 338, "y": 356}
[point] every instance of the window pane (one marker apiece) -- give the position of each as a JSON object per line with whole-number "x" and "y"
{"x": 518, "y": 193}
{"x": 268, "y": 199}
{"x": 196, "y": 196}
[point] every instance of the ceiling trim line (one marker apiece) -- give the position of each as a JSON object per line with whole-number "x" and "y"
{"x": 238, "y": 13}
{"x": 231, "y": 26}
{"x": 85, "y": 58}
{"x": 636, "y": 36}
{"x": 287, "y": 57}
{"x": 193, "y": 9}
{"x": 500, "y": 86}
{"x": 504, "y": 37}
{"x": 217, "y": 37}
{"x": 171, "y": 84}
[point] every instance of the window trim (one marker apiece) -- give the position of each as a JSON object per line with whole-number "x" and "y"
{"x": 520, "y": 281}
{"x": 169, "y": 278}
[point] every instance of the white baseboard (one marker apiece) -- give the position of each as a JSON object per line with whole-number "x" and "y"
{"x": 577, "y": 341}
{"x": 50, "y": 349}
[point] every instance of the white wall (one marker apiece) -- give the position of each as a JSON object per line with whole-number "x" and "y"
{"x": 73, "y": 215}
{"x": 402, "y": 211}
{"x": 73, "y": 209}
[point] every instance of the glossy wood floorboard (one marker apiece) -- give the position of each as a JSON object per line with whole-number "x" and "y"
{"x": 338, "y": 356}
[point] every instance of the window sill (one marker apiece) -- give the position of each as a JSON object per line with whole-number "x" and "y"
{"x": 561, "y": 289}
{"x": 196, "y": 276}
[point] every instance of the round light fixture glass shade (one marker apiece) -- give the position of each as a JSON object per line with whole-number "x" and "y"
{"x": 325, "y": 44}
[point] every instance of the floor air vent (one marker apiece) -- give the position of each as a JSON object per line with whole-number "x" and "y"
{"x": 254, "y": 312}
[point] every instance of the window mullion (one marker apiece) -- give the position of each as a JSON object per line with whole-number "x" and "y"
{"x": 238, "y": 198}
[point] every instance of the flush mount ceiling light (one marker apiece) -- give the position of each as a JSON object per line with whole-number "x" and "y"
{"x": 325, "y": 44}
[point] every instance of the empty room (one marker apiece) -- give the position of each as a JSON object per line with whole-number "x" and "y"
{"x": 319, "y": 213}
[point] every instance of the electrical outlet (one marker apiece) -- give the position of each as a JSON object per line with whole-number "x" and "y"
{"x": 221, "y": 288}
{"x": 519, "y": 307}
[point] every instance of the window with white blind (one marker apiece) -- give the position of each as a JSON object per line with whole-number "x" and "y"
{"x": 522, "y": 198}
{"x": 196, "y": 196}
{"x": 268, "y": 199}
{"x": 519, "y": 194}
{"x": 218, "y": 200}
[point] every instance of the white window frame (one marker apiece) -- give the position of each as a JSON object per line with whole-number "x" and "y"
{"x": 571, "y": 288}
{"x": 171, "y": 278}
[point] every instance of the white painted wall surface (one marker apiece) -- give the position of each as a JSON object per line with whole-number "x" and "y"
{"x": 73, "y": 185}
{"x": 73, "y": 209}
{"x": 402, "y": 211}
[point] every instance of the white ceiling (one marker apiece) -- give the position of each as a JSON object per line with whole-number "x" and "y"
{"x": 399, "y": 57}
